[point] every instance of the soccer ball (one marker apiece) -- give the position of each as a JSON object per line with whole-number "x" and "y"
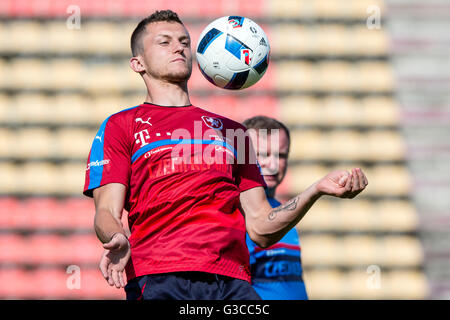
{"x": 233, "y": 52}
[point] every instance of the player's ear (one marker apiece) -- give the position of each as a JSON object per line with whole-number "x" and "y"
{"x": 136, "y": 64}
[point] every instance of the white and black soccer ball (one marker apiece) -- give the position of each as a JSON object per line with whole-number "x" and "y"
{"x": 233, "y": 52}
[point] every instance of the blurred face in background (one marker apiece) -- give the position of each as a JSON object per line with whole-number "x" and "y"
{"x": 272, "y": 151}
{"x": 167, "y": 51}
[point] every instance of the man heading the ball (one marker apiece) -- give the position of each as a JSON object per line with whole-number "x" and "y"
{"x": 190, "y": 182}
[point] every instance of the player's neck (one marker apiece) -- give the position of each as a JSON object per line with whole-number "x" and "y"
{"x": 270, "y": 192}
{"x": 167, "y": 94}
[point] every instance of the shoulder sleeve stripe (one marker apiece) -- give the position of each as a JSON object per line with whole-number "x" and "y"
{"x": 96, "y": 169}
{"x": 97, "y": 154}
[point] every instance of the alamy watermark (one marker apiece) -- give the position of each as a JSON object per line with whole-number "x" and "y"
{"x": 373, "y": 281}
{"x": 373, "y": 21}
{"x": 73, "y": 22}
{"x": 73, "y": 281}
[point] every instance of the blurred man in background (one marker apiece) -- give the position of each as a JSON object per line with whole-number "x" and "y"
{"x": 277, "y": 270}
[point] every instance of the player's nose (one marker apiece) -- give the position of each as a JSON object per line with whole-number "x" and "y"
{"x": 269, "y": 164}
{"x": 273, "y": 164}
{"x": 178, "y": 47}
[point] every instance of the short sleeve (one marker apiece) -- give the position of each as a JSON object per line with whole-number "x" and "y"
{"x": 109, "y": 159}
{"x": 249, "y": 172}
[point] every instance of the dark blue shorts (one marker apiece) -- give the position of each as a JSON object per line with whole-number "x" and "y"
{"x": 189, "y": 286}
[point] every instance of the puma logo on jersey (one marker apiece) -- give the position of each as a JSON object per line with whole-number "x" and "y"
{"x": 147, "y": 122}
{"x": 99, "y": 137}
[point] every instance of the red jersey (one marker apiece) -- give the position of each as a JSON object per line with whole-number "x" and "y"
{"x": 184, "y": 168}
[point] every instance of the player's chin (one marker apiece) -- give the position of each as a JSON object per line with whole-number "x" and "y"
{"x": 270, "y": 181}
{"x": 179, "y": 75}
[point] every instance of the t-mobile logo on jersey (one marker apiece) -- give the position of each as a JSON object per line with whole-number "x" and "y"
{"x": 141, "y": 137}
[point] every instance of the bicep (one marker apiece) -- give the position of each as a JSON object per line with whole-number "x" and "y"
{"x": 110, "y": 197}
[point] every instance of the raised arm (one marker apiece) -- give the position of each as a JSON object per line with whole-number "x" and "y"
{"x": 266, "y": 225}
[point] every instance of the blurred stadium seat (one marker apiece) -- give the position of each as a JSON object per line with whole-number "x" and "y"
{"x": 13, "y": 249}
{"x": 24, "y": 36}
{"x": 38, "y": 177}
{"x": 325, "y": 284}
{"x": 32, "y": 143}
{"x": 47, "y": 249}
{"x": 16, "y": 283}
{"x": 73, "y": 143}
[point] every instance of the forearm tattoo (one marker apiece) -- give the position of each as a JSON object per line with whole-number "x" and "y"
{"x": 291, "y": 205}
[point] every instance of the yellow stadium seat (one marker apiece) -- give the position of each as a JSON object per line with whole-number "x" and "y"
{"x": 370, "y": 283}
{"x": 7, "y": 110}
{"x": 379, "y": 111}
{"x": 367, "y": 283}
{"x": 10, "y": 181}
{"x": 402, "y": 251}
{"x": 406, "y": 284}
{"x": 335, "y": 76}
{"x": 7, "y": 143}
{"x": 344, "y": 145}
{"x": 389, "y": 180}
{"x": 339, "y": 111}
{"x": 38, "y": 178}
{"x": 134, "y": 99}
{"x": 305, "y": 175}
{"x": 34, "y": 69}
{"x": 354, "y": 216}
{"x": 104, "y": 106}
{"x": 374, "y": 77}
{"x": 73, "y": 143}
{"x": 33, "y": 108}
{"x": 358, "y": 9}
{"x": 321, "y": 9}
{"x": 330, "y": 9}
{"x": 384, "y": 145}
{"x": 61, "y": 39}
{"x": 130, "y": 80}
{"x": 360, "y": 250}
{"x": 71, "y": 178}
{"x": 100, "y": 37}
{"x": 282, "y": 8}
{"x": 367, "y": 42}
{"x": 26, "y": 36}
{"x": 70, "y": 109}
{"x": 104, "y": 77}
{"x": 325, "y": 284}
{"x": 300, "y": 110}
{"x": 5, "y": 74}
{"x": 307, "y": 145}
{"x": 320, "y": 250}
{"x": 396, "y": 216}
{"x": 4, "y": 36}
{"x": 330, "y": 39}
{"x": 292, "y": 76}
{"x": 321, "y": 217}
{"x": 34, "y": 143}
{"x": 65, "y": 74}
{"x": 282, "y": 40}
{"x": 123, "y": 37}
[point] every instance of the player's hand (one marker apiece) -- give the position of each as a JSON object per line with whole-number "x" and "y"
{"x": 343, "y": 184}
{"x": 114, "y": 260}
